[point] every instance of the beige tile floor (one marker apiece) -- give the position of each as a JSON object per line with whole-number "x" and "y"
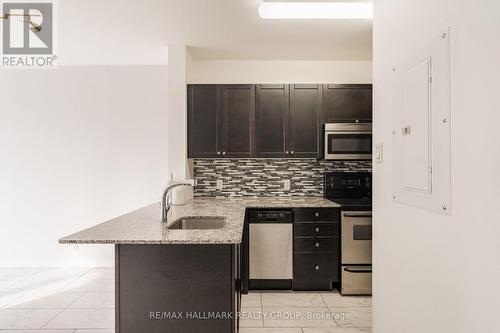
{"x": 81, "y": 300}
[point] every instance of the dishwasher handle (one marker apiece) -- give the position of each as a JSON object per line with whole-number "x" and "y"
{"x": 270, "y": 216}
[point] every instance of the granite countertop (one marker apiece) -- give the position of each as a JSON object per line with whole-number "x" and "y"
{"x": 143, "y": 226}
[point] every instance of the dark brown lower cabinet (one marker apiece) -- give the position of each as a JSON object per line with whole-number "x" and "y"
{"x": 316, "y": 246}
{"x": 177, "y": 288}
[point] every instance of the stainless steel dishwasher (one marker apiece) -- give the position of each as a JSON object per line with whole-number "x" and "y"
{"x": 270, "y": 249}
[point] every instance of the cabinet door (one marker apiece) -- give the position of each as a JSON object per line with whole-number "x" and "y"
{"x": 305, "y": 106}
{"x": 272, "y": 120}
{"x": 204, "y": 120}
{"x": 347, "y": 102}
{"x": 238, "y": 119}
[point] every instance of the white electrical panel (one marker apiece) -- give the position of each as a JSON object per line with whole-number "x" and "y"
{"x": 421, "y": 127}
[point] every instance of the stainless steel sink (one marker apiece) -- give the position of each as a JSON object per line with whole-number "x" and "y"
{"x": 198, "y": 223}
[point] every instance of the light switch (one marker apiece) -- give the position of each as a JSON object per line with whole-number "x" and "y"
{"x": 286, "y": 184}
{"x": 219, "y": 184}
{"x": 379, "y": 152}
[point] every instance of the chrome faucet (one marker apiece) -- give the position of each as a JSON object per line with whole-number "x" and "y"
{"x": 165, "y": 205}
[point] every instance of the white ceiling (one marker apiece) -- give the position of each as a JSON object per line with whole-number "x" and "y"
{"x": 233, "y": 29}
{"x": 137, "y": 31}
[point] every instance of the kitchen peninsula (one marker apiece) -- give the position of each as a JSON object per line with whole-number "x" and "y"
{"x": 180, "y": 280}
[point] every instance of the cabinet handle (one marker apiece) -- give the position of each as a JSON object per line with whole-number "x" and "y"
{"x": 292, "y": 152}
{"x": 316, "y": 214}
{"x": 317, "y": 229}
{"x": 317, "y": 244}
{"x": 286, "y": 152}
{"x": 316, "y": 267}
{"x": 218, "y": 153}
{"x": 223, "y": 153}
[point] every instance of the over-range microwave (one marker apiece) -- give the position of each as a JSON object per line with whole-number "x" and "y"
{"x": 348, "y": 141}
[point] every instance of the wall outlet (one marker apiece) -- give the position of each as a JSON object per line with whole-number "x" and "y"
{"x": 286, "y": 184}
{"x": 219, "y": 184}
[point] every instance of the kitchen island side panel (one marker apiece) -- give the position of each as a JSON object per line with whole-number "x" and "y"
{"x": 175, "y": 288}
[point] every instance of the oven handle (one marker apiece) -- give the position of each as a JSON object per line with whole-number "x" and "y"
{"x": 358, "y": 270}
{"x": 347, "y": 132}
{"x": 356, "y": 215}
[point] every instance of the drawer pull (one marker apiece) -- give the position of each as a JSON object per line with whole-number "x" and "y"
{"x": 317, "y": 244}
{"x": 316, "y": 214}
{"x": 317, "y": 229}
{"x": 316, "y": 267}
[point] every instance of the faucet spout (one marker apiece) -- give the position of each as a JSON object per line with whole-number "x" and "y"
{"x": 165, "y": 205}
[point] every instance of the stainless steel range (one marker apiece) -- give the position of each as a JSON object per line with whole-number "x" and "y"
{"x": 353, "y": 190}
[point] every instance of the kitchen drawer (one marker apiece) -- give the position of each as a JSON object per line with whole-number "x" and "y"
{"x": 316, "y": 244}
{"x": 356, "y": 280}
{"x": 316, "y": 229}
{"x": 317, "y": 214}
{"x": 316, "y": 267}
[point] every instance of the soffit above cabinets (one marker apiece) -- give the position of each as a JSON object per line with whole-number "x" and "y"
{"x": 421, "y": 127}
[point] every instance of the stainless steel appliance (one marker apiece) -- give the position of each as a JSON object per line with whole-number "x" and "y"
{"x": 348, "y": 141}
{"x": 270, "y": 249}
{"x": 356, "y": 253}
{"x": 353, "y": 191}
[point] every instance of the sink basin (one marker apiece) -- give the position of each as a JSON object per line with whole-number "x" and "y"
{"x": 198, "y": 223}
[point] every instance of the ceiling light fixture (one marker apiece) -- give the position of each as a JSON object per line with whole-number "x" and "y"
{"x": 316, "y": 10}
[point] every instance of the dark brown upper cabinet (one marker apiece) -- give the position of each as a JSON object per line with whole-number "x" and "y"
{"x": 221, "y": 120}
{"x": 204, "y": 120}
{"x": 287, "y": 122}
{"x": 305, "y": 108}
{"x": 238, "y": 120}
{"x": 272, "y": 120}
{"x": 347, "y": 102}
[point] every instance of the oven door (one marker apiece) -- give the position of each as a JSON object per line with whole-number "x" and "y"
{"x": 356, "y": 238}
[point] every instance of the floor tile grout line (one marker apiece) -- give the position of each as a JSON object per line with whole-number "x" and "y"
{"x": 12, "y": 301}
{"x": 69, "y": 305}
{"x": 262, "y": 310}
{"x": 76, "y": 278}
{"x": 330, "y": 311}
{"x": 48, "y": 321}
{"x": 21, "y": 294}
{"x": 38, "y": 270}
{"x": 79, "y": 276}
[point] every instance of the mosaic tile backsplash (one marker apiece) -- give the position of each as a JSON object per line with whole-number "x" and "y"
{"x": 265, "y": 177}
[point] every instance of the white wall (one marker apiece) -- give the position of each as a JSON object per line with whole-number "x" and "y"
{"x": 79, "y": 145}
{"x": 276, "y": 71}
{"x": 436, "y": 273}
{"x": 177, "y": 115}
